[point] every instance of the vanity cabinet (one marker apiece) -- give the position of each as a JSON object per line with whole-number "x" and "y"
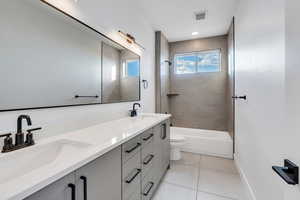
{"x": 131, "y": 171}
{"x": 99, "y": 179}
{"x": 162, "y": 150}
{"x": 59, "y": 190}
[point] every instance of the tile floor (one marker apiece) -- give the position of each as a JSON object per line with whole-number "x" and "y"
{"x": 198, "y": 177}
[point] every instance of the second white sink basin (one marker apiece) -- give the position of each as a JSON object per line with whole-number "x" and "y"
{"x": 21, "y": 162}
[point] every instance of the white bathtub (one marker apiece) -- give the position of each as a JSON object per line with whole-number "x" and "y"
{"x": 207, "y": 142}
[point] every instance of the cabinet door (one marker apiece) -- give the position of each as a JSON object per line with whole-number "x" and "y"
{"x": 161, "y": 149}
{"x": 59, "y": 190}
{"x": 158, "y": 154}
{"x": 100, "y": 179}
{"x": 165, "y": 145}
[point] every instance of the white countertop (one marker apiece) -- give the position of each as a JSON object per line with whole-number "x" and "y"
{"x": 100, "y": 139}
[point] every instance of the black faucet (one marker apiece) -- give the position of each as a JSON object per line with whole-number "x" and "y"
{"x": 19, "y": 143}
{"x": 133, "y": 112}
{"x": 20, "y": 135}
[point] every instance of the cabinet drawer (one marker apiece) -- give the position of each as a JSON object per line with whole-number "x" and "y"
{"x": 130, "y": 148}
{"x": 147, "y": 165}
{"x": 131, "y": 164}
{"x": 147, "y": 136}
{"x": 136, "y": 196}
{"x": 147, "y": 158}
{"x": 131, "y": 178}
{"x": 148, "y": 149}
{"x": 148, "y": 186}
{"x": 131, "y": 184}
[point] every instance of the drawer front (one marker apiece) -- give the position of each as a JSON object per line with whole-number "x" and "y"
{"x": 131, "y": 164}
{"x": 130, "y": 148}
{"x": 136, "y": 196}
{"x": 148, "y": 149}
{"x": 131, "y": 178}
{"x": 148, "y": 186}
{"x": 147, "y": 136}
{"x": 132, "y": 183}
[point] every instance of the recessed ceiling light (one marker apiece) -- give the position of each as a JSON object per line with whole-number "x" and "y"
{"x": 195, "y": 33}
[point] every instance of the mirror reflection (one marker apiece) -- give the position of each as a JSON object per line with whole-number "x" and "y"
{"x": 59, "y": 61}
{"x": 120, "y": 75}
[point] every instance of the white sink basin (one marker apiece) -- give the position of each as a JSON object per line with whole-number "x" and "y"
{"x": 21, "y": 162}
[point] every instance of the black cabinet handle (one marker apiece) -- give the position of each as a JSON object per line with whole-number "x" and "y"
{"x": 84, "y": 179}
{"x": 164, "y": 132}
{"x": 73, "y": 191}
{"x": 149, "y": 188}
{"x": 149, "y": 137}
{"x": 148, "y": 159}
{"x": 133, "y": 148}
{"x": 240, "y": 97}
{"x": 133, "y": 176}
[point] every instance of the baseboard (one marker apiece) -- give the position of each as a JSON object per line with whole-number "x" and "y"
{"x": 248, "y": 189}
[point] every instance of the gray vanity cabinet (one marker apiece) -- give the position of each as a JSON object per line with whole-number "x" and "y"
{"x": 131, "y": 171}
{"x": 162, "y": 150}
{"x": 165, "y": 145}
{"x": 100, "y": 179}
{"x": 59, "y": 190}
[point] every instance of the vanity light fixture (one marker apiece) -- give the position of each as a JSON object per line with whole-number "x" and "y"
{"x": 130, "y": 39}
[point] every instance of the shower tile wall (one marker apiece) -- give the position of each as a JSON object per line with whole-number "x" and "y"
{"x": 162, "y": 73}
{"x": 202, "y": 102}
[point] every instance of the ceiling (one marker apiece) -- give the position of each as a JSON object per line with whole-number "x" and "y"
{"x": 175, "y": 18}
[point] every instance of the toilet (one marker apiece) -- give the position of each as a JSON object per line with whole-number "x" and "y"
{"x": 177, "y": 141}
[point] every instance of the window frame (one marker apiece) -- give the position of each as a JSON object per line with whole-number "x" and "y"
{"x": 196, "y": 64}
{"x": 125, "y": 68}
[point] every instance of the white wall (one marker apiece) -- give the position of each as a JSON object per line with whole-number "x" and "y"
{"x": 291, "y": 137}
{"x": 267, "y": 72}
{"x": 108, "y": 17}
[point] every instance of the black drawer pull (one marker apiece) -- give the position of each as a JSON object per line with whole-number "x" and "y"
{"x": 148, "y": 188}
{"x": 133, "y": 148}
{"x": 148, "y": 159}
{"x": 133, "y": 176}
{"x": 149, "y": 137}
{"x": 84, "y": 187}
{"x": 163, "y": 132}
{"x": 73, "y": 191}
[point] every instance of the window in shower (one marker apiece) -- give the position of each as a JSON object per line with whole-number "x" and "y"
{"x": 198, "y": 62}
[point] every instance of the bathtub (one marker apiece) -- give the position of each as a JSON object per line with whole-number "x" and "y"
{"x": 207, "y": 142}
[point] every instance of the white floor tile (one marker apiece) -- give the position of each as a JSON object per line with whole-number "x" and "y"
{"x": 206, "y": 196}
{"x": 183, "y": 175}
{"x": 188, "y": 159}
{"x": 220, "y": 164}
{"x": 221, "y": 183}
{"x": 168, "y": 191}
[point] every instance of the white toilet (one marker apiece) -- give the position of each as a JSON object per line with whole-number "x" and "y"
{"x": 177, "y": 141}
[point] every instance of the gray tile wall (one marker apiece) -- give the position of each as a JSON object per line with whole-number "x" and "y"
{"x": 202, "y": 102}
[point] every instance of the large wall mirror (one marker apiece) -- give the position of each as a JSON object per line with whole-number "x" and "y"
{"x": 49, "y": 59}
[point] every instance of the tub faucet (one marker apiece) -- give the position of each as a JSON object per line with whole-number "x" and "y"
{"x": 133, "y": 112}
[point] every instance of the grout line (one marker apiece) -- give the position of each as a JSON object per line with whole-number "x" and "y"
{"x": 199, "y": 171}
{"x": 185, "y": 187}
{"x": 188, "y": 188}
{"x": 215, "y": 194}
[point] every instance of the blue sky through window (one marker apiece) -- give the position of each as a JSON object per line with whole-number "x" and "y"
{"x": 206, "y": 61}
{"x": 133, "y": 68}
